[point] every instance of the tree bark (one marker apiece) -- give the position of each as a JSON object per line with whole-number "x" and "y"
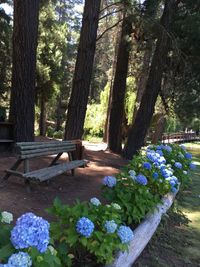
{"x": 58, "y": 114}
{"x": 25, "y": 35}
{"x": 119, "y": 89}
{"x": 143, "y": 76}
{"x": 117, "y": 39}
{"x": 151, "y": 9}
{"x": 159, "y": 129}
{"x": 140, "y": 127}
{"x": 42, "y": 122}
{"x": 83, "y": 71}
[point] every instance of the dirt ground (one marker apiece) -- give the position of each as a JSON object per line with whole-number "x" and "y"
{"x": 86, "y": 182}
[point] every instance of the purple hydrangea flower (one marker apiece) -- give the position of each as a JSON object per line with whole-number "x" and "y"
{"x": 141, "y": 179}
{"x": 85, "y": 227}
{"x": 110, "y": 226}
{"x": 109, "y": 181}
{"x": 30, "y": 231}
{"x": 125, "y": 234}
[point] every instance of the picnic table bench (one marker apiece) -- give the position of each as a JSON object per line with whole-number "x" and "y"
{"x": 29, "y": 150}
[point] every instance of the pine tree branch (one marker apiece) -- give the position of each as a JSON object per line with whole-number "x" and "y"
{"x": 114, "y": 25}
{"x": 108, "y": 14}
{"x": 113, "y": 4}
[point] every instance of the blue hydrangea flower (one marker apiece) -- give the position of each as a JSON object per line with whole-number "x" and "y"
{"x": 188, "y": 156}
{"x": 85, "y": 227}
{"x": 158, "y": 147}
{"x": 132, "y": 174}
{"x": 192, "y": 166}
{"x": 30, "y": 231}
{"x": 183, "y": 147}
{"x": 159, "y": 152}
{"x": 141, "y": 179}
{"x": 20, "y": 259}
{"x": 95, "y": 201}
{"x": 161, "y": 160}
{"x": 174, "y": 189}
{"x": 167, "y": 148}
{"x": 147, "y": 165}
{"x": 166, "y": 173}
{"x": 125, "y": 234}
{"x": 110, "y": 226}
{"x": 178, "y": 165}
{"x": 109, "y": 181}
{"x": 155, "y": 175}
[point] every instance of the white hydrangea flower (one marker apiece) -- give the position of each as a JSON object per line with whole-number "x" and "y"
{"x": 116, "y": 206}
{"x": 52, "y": 250}
{"x": 7, "y": 217}
{"x": 95, "y": 201}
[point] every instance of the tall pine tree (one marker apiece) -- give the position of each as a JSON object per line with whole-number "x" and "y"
{"x": 25, "y": 35}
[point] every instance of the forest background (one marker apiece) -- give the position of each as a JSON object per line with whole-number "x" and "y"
{"x": 121, "y": 71}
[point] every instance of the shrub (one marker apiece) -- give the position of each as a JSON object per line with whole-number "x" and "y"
{"x": 87, "y": 229}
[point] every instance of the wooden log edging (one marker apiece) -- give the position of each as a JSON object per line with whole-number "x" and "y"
{"x": 143, "y": 233}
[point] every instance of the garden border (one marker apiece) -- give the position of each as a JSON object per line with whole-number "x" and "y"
{"x": 143, "y": 233}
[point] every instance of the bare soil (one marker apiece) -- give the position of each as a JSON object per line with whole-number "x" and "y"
{"x": 86, "y": 182}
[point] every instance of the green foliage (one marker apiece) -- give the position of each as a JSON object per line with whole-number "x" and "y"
{"x": 5, "y": 52}
{"x": 130, "y": 99}
{"x": 100, "y": 245}
{"x": 173, "y": 124}
{"x": 51, "y": 46}
{"x": 143, "y": 198}
{"x": 96, "y": 115}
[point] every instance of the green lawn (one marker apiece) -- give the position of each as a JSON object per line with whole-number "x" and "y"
{"x": 177, "y": 240}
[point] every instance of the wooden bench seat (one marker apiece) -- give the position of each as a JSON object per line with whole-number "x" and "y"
{"x": 29, "y": 150}
{"x": 50, "y": 172}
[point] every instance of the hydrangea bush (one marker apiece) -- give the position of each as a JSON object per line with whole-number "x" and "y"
{"x": 158, "y": 170}
{"x": 92, "y": 231}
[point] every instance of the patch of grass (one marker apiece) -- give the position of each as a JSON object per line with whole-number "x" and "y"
{"x": 176, "y": 243}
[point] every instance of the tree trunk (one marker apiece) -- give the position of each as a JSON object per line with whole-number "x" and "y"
{"x": 42, "y": 123}
{"x": 143, "y": 76}
{"x": 151, "y": 9}
{"x": 25, "y": 35}
{"x": 58, "y": 114}
{"x": 117, "y": 39}
{"x": 119, "y": 89}
{"x": 142, "y": 122}
{"x": 159, "y": 130}
{"x": 83, "y": 71}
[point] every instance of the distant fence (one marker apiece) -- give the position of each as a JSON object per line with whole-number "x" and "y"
{"x": 179, "y": 137}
